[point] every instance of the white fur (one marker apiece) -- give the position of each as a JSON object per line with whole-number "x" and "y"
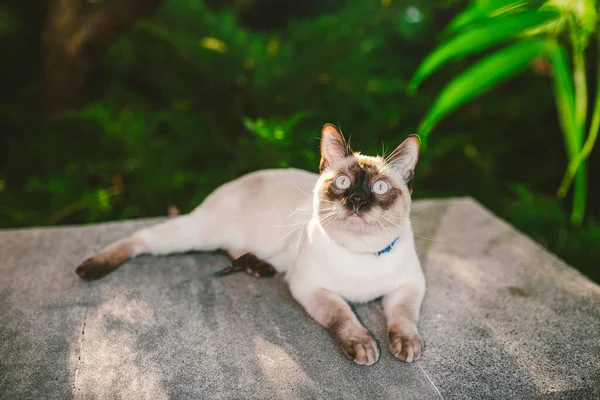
{"x": 261, "y": 212}
{"x": 270, "y": 213}
{"x": 318, "y": 235}
{"x": 357, "y": 277}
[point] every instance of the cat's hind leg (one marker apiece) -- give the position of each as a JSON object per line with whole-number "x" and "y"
{"x": 198, "y": 231}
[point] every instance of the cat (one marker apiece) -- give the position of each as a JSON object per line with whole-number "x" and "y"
{"x": 341, "y": 235}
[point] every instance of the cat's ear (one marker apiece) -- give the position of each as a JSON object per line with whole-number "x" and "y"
{"x": 333, "y": 146}
{"x": 403, "y": 159}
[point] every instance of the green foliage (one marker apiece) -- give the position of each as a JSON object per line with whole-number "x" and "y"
{"x": 486, "y": 23}
{"x": 193, "y": 97}
{"x": 482, "y": 10}
{"x": 479, "y": 78}
{"x": 478, "y": 38}
{"x": 9, "y": 21}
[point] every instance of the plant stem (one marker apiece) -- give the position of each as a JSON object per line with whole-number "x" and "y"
{"x": 580, "y": 189}
{"x": 580, "y": 90}
{"x": 579, "y": 195}
{"x": 591, "y": 137}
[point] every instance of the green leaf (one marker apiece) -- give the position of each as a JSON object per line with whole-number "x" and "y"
{"x": 564, "y": 94}
{"x": 481, "y": 9}
{"x": 480, "y": 37}
{"x": 481, "y": 77}
{"x": 584, "y": 12}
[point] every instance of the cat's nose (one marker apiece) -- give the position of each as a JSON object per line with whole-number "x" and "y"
{"x": 357, "y": 200}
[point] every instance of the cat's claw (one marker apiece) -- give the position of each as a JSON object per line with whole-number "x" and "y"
{"x": 406, "y": 347}
{"x": 363, "y": 350}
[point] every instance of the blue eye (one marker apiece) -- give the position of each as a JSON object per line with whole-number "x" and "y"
{"x": 381, "y": 187}
{"x": 342, "y": 182}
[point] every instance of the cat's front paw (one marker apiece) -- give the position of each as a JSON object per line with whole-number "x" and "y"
{"x": 362, "y": 350}
{"x": 407, "y": 347}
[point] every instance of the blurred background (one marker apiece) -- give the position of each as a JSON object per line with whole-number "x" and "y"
{"x": 134, "y": 108}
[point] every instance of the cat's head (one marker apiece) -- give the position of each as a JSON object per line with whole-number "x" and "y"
{"x": 364, "y": 202}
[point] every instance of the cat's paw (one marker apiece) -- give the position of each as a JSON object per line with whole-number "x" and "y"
{"x": 254, "y": 266}
{"x": 406, "y": 347}
{"x": 93, "y": 268}
{"x": 362, "y": 350}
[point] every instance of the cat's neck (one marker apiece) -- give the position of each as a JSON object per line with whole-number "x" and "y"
{"x": 373, "y": 240}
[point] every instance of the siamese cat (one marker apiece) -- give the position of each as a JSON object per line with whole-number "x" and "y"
{"x": 340, "y": 236}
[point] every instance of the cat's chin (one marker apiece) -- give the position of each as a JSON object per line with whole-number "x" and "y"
{"x": 357, "y": 224}
{"x": 363, "y": 222}
{"x": 355, "y": 217}
{"x": 358, "y": 235}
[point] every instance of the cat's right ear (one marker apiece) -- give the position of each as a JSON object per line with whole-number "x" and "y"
{"x": 333, "y": 146}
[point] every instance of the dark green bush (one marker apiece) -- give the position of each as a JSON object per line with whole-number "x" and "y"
{"x": 194, "y": 97}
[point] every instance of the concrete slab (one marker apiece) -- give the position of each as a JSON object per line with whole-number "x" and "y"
{"x": 502, "y": 319}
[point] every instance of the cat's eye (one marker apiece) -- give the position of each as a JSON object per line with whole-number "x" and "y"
{"x": 342, "y": 182}
{"x": 381, "y": 187}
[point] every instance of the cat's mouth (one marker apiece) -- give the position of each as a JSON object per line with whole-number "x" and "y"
{"x": 354, "y": 214}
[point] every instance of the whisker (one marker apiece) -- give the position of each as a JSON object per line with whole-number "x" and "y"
{"x": 326, "y": 219}
{"x": 415, "y": 217}
{"x": 424, "y": 238}
{"x": 307, "y": 210}
{"x": 299, "y": 236}
{"x": 301, "y": 191}
{"x": 328, "y": 210}
{"x": 431, "y": 240}
{"x": 296, "y": 212}
{"x": 321, "y": 217}
{"x": 386, "y": 167}
{"x": 396, "y": 218}
{"x": 289, "y": 233}
{"x": 394, "y": 154}
{"x": 327, "y": 222}
{"x": 390, "y": 159}
{"x": 327, "y": 201}
{"x": 377, "y": 225}
{"x": 417, "y": 251}
{"x": 384, "y": 218}
{"x": 384, "y": 227}
{"x": 294, "y": 224}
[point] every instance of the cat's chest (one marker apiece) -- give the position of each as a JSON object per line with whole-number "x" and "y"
{"x": 354, "y": 276}
{"x": 360, "y": 278}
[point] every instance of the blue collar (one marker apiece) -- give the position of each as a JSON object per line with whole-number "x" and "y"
{"x": 389, "y": 248}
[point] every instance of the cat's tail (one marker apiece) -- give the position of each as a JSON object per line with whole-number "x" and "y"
{"x": 195, "y": 231}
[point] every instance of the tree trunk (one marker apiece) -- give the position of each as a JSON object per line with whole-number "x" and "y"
{"x": 74, "y": 36}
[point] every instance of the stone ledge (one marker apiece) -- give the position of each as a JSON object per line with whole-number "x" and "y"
{"x": 502, "y": 318}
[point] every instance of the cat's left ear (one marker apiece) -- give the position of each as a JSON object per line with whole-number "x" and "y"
{"x": 333, "y": 146}
{"x": 404, "y": 159}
